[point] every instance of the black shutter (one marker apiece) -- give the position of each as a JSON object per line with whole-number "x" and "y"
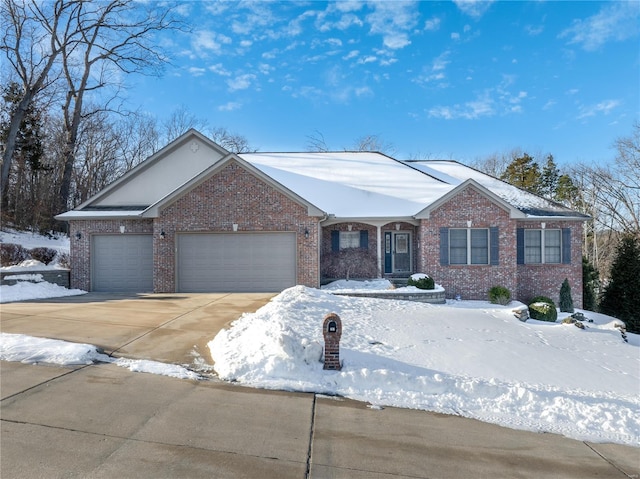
{"x": 444, "y": 246}
{"x": 566, "y": 245}
{"x": 335, "y": 241}
{"x": 364, "y": 239}
{"x": 520, "y": 245}
{"x": 494, "y": 245}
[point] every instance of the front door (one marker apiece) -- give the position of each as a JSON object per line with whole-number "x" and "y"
{"x": 397, "y": 257}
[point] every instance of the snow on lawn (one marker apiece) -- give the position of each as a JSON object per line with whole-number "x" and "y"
{"x": 470, "y": 358}
{"x": 31, "y": 350}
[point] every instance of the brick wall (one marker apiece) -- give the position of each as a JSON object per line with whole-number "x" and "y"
{"x": 469, "y": 281}
{"x": 235, "y": 195}
{"x": 473, "y": 281}
{"x": 546, "y": 279}
{"x": 80, "y": 253}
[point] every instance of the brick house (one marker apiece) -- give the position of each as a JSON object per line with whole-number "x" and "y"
{"x": 196, "y": 218}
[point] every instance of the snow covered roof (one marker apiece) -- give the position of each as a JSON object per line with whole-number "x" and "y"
{"x": 531, "y": 205}
{"x": 352, "y": 184}
{"x": 365, "y": 185}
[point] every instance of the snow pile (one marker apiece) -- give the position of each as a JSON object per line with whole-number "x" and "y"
{"x": 24, "y": 290}
{"x": 31, "y": 350}
{"x": 469, "y": 358}
{"x": 354, "y": 286}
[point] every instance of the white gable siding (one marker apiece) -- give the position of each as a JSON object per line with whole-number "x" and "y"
{"x": 162, "y": 176}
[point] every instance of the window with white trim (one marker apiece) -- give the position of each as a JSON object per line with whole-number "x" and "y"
{"x": 349, "y": 239}
{"x": 468, "y": 246}
{"x": 542, "y": 246}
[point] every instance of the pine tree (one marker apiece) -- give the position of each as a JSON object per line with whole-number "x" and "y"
{"x": 566, "y": 301}
{"x": 590, "y": 285}
{"x": 524, "y": 173}
{"x": 621, "y": 297}
{"x": 549, "y": 178}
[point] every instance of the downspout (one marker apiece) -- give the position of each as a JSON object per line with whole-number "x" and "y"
{"x": 379, "y": 233}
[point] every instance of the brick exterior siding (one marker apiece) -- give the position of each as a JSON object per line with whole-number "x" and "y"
{"x": 469, "y": 281}
{"x": 474, "y": 281}
{"x": 235, "y": 195}
{"x": 80, "y": 253}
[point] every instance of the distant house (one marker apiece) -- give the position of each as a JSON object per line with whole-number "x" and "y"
{"x": 195, "y": 218}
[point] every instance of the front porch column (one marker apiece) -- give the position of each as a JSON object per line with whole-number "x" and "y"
{"x": 379, "y": 233}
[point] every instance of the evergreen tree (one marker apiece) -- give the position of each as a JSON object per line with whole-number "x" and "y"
{"x": 549, "y": 179}
{"x": 590, "y": 285}
{"x": 566, "y": 301}
{"x": 524, "y": 173}
{"x": 622, "y": 295}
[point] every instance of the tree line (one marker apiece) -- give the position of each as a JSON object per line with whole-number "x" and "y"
{"x": 65, "y": 131}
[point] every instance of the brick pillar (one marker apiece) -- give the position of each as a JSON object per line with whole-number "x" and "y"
{"x": 332, "y": 331}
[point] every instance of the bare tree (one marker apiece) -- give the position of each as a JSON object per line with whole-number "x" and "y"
{"x": 116, "y": 38}
{"x": 34, "y": 36}
{"x": 232, "y": 142}
{"x": 316, "y": 142}
{"x": 180, "y": 121}
{"x": 373, "y": 143}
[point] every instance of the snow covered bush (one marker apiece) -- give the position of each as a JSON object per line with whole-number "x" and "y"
{"x": 421, "y": 281}
{"x": 499, "y": 295}
{"x": 566, "y": 301}
{"x": 543, "y": 308}
{"x": 11, "y": 254}
{"x": 42, "y": 254}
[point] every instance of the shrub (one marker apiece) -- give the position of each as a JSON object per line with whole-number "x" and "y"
{"x": 64, "y": 260}
{"x": 12, "y": 254}
{"x": 44, "y": 255}
{"x": 350, "y": 263}
{"x": 543, "y": 309}
{"x": 566, "y": 301}
{"x": 421, "y": 281}
{"x": 499, "y": 295}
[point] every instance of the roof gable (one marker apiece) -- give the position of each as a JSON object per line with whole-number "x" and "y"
{"x": 161, "y": 173}
{"x": 154, "y": 209}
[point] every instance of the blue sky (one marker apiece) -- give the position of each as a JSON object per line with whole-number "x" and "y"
{"x": 453, "y": 80}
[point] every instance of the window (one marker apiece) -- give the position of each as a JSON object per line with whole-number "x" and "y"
{"x": 468, "y": 246}
{"x": 349, "y": 239}
{"x": 542, "y": 246}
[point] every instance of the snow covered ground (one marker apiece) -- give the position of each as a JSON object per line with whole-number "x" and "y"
{"x": 469, "y": 358}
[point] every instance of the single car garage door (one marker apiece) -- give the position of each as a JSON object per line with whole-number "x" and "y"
{"x": 236, "y": 262}
{"x": 122, "y": 263}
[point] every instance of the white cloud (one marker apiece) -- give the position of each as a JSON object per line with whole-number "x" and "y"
{"x": 489, "y": 102}
{"x": 205, "y": 40}
{"x": 534, "y": 31}
{"x": 394, "y": 21}
{"x": 432, "y": 24}
{"x": 616, "y": 21}
{"x": 351, "y": 54}
{"x": 197, "y": 71}
{"x": 455, "y": 36}
{"x": 241, "y": 82}
{"x": 604, "y": 107}
{"x": 230, "y": 106}
{"x": 473, "y": 8}
{"x": 220, "y": 70}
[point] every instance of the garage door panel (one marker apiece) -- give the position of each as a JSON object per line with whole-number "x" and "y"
{"x": 122, "y": 263}
{"x": 251, "y": 262}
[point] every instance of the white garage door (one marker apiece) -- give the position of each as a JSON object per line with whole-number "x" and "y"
{"x": 122, "y": 263}
{"x": 238, "y": 262}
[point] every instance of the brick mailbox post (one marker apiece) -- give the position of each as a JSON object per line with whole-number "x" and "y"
{"x": 332, "y": 331}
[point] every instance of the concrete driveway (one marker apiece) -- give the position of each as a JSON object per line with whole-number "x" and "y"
{"x": 171, "y": 328}
{"x": 104, "y": 421}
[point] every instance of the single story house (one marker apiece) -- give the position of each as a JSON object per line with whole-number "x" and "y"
{"x": 195, "y": 218}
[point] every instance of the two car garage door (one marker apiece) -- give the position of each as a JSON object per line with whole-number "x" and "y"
{"x": 206, "y": 262}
